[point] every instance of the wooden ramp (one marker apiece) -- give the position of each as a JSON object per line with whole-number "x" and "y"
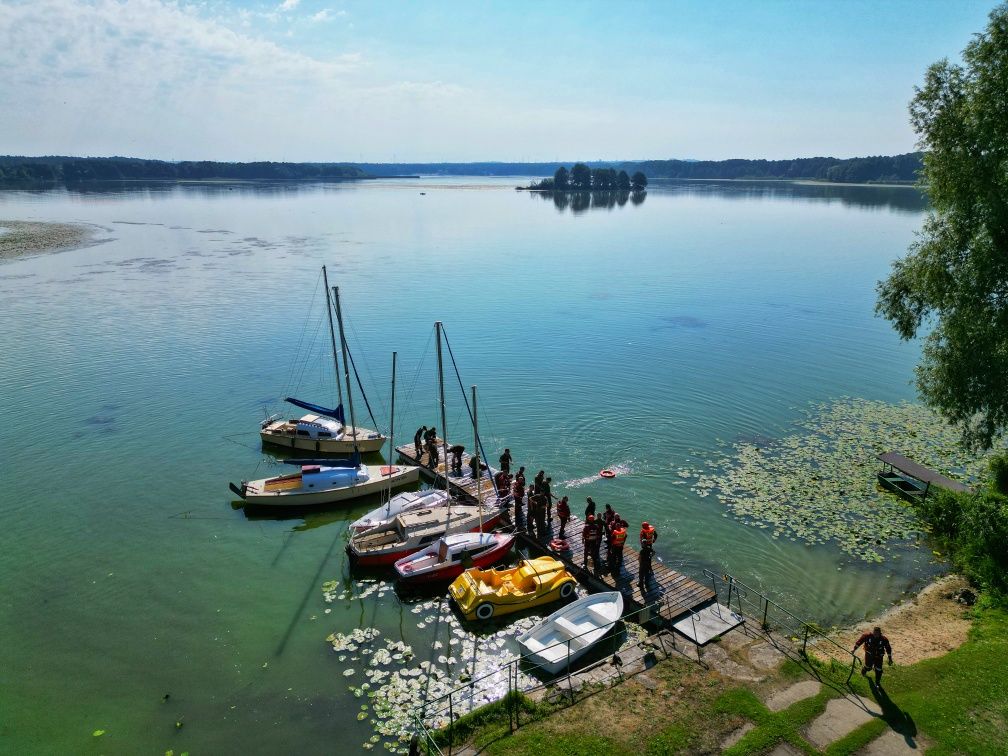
{"x": 678, "y": 594}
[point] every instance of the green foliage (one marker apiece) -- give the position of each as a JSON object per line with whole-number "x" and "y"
{"x": 974, "y": 530}
{"x": 999, "y": 473}
{"x": 862, "y": 170}
{"x": 580, "y": 176}
{"x": 955, "y": 277}
{"x": 623, "y": 182}
{"x": 561, "y": 179}
{"x": 638, "y": 182}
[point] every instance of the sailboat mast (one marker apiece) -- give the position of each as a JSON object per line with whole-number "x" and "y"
{"x": 346, "y": 369}
{"x": 332, "y": 335}
{"x": 391, "y": 433}
{"x": 479, "y": 486}
{"x": 444, "y": 421}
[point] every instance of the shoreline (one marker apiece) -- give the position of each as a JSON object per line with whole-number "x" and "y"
{"x": 28, "y": 238}
{"x": 925, "y": 625}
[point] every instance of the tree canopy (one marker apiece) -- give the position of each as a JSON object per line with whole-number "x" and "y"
{"x": 954, "y": 278}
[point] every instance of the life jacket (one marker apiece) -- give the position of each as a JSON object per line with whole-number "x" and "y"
{"x": 590, "y": 533}
{"x": 563, "y": 510}
{"x": 648, "y": 536}
{"x": 618, "y": 537}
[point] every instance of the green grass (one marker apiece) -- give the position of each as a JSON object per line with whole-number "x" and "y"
{"x": 957, "y": 703}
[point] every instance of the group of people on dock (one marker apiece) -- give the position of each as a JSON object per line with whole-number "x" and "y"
{"x": 608, "y": 528}
{"x": 425, "y": 441}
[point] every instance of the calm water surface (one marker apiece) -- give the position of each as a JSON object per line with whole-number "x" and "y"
{"x": 135, "y": 373}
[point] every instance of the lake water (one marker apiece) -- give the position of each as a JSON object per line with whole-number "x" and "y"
{"x": 135, "y": 372}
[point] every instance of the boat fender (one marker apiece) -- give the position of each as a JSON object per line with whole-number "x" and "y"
{"x": 607, "y": 473}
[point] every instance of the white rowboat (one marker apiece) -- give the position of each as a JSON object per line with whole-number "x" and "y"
{"x": 568, "y": 634}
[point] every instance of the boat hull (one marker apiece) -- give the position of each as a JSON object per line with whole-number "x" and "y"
{"x": 404, "y": 475}
{"x": 452, "y": 571}
{"x": 571, "y": 632}
{"x": 345, "y": 445}
{"x": 390, "y": 557}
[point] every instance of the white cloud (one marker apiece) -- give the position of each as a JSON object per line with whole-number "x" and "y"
{"x": 323, "y": 15}
{"x": 289, "y": 5}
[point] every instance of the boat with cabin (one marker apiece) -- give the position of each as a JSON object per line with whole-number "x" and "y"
{"x": 407, "y": 501}
{"x": 316, "y": 484}
{"x": 323, "y": 429}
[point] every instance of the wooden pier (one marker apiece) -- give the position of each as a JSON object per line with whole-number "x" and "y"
{"x": 675, "y": 593}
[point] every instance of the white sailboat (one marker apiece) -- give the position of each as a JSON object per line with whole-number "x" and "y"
{"x": 323, "y": 429}
{"x": 329, "y": 482}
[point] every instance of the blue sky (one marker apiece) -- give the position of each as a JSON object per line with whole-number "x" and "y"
{"x": 377, "y": 81}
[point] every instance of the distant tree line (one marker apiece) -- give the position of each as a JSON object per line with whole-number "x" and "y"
{"x": 862, "y": 170}
{"x": 70, "y": 170}
{"x": 878, "y": 169}
{"x": 581, "y": 178}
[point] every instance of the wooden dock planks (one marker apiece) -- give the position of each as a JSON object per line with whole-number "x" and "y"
{"x": 678, "y": 594}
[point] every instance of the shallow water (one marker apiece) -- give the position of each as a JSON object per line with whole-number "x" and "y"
{"x": 642, "y": 337}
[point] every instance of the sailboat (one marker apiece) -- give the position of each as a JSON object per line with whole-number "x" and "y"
{"x": 323, "y": 429}
{"x": 325, "y": 481}
{"x": 411, "y": 531}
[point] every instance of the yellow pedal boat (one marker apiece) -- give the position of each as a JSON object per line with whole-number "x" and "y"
{"x": 481, "y": 594}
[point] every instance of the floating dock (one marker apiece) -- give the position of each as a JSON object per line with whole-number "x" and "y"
{"x": 676, "y": 594}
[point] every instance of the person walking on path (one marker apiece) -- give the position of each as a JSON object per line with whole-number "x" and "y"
{"x": 875, "y": 646}
{"x": 433, "y": 453}
{"x": 590, "y": 536}
{"x": 590, "y": 509}
{"x": 548, "y": 498}
{"x": 421, "y": 433}
{"x": 505, "y": 462}
{"x": 537, "y": 484}
{"x": 563, "y": 512}
{"x": 540, "y": 517}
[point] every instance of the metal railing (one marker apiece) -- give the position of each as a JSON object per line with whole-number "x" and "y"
{"x": 774, "y": 616}
{"x": 443, "y": 711}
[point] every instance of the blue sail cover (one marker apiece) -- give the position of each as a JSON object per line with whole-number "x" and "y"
{"x": 317, "y": 409}
{"x": 353, "y": 461}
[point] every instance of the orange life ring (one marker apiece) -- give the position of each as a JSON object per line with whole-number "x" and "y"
{"x": 559, "y": 545}
{"x": 607, "y": 474}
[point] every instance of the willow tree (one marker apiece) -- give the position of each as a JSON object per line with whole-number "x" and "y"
{"x": 953, "y": 282}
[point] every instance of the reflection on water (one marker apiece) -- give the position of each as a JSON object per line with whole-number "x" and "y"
{"x": 649, "y": 337}
{"x": 580, "y": 201}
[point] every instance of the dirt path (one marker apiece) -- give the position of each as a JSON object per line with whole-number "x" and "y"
{"x": 929, "y": 625}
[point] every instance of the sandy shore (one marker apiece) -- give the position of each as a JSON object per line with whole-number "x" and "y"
{"x": 20, "y": 238}
{"x": 930, "y": 624}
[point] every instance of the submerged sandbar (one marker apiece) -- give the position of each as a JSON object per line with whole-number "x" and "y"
{"x": 20, "y": 238}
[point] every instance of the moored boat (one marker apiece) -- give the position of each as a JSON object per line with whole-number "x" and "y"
{"x": 482, "y": 594}
{"x": 317, "y": 484}
{"x": 407, "y": 501}
{"x": 412, "y": 531}
{"x": 570, "y": 632}
{"x": 449, "y": 556}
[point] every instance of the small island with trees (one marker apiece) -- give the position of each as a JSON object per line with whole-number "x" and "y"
{"x": 581, "y": 178}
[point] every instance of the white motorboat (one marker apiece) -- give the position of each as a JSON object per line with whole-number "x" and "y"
{"x": 568, "y": 634}
{"x": 406, "y": 501}
{"x": 319, "y": 484}
{"x": 448, "y": 557}
{"x": 412, "y": 531}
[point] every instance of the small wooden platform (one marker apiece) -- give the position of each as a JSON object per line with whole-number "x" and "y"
{"x": 462, "y": 485}
{"x": 677, "y": 593}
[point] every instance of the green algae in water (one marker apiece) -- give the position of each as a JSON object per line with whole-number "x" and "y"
{"x": 818, "y": 485}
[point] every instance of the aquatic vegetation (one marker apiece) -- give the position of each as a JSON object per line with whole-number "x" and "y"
{"x": 818, "y": 484}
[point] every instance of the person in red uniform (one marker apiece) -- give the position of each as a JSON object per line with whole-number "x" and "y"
{"x": 617, "y": 539}
{"x": 518, "y": 491}
{"x": 875, "y": 646}
{"x": 563, "y": 512}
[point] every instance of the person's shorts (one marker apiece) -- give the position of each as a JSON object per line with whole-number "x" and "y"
{"x": 873, "y": 662}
